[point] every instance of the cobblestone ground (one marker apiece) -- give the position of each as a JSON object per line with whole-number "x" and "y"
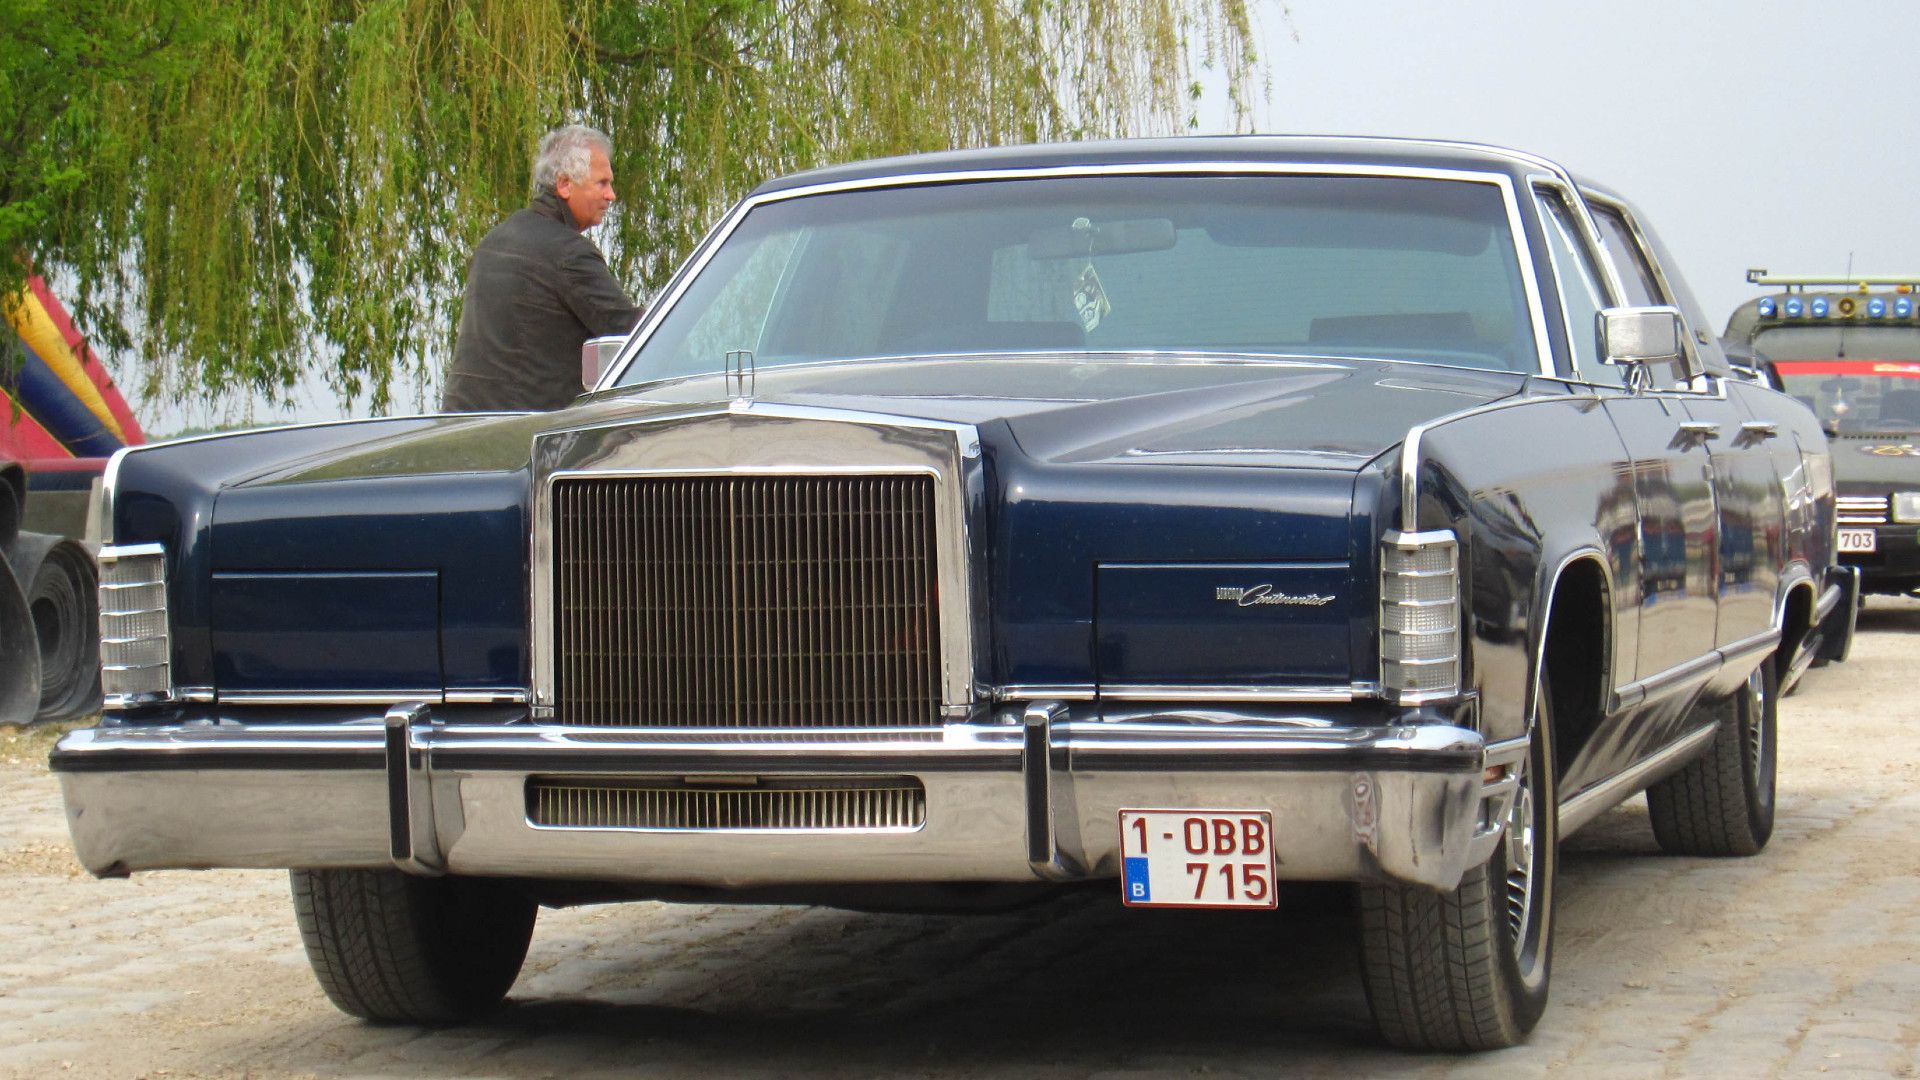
{"x": 1803, "y": 961}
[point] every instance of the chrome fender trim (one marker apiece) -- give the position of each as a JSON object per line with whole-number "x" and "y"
{"x": 1601, "y": 797}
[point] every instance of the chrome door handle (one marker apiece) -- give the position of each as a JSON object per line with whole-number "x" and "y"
{"x": 1700, "y": 429}
{"x": 1759, "y": 429}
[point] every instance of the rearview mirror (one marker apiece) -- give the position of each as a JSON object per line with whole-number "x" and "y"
{"x": 1083, "y": 239}
{"x": 1639, "y": 335}
{"x": 596, "y": 355}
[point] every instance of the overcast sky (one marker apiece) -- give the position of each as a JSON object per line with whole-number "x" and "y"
{"x": 1749, "y": 132}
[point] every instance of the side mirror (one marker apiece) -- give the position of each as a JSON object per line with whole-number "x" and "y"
{"x": 597, "y": 355}
{"x": 1632, "y": 336}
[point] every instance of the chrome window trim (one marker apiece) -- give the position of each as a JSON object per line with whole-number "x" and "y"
{"x": 1589, "y": 232}
{"x": 1667, "y": 293}
{"x": 1608, "y": 283}
{"x": 954, "y": 481}
{"x": 716, "y": 238}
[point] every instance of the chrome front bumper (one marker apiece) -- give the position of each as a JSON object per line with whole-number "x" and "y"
{"x": 1038, "y": 796}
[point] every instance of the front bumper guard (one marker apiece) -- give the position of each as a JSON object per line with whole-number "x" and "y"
{"x": 1011, "y": 801}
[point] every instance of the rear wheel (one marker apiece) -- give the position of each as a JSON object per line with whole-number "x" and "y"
{"x": 390, "y": 946}
{"x": 1722, "y": 802}
{"x": 1467, "y": 969}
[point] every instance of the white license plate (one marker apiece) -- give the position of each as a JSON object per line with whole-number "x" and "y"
{"x": 1197, "y": 858}
{"x": 1856, "y": 541}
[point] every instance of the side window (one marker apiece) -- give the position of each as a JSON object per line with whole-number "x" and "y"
{"x": 1636, "y": 276}
{"x": 737, "y": 319}
{"x": 1580, "y": 291}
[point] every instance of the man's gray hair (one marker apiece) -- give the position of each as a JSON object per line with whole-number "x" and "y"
{"x": 567, "y": 152}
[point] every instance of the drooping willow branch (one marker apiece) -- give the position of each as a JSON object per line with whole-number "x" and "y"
{"x": 242, "y": 195}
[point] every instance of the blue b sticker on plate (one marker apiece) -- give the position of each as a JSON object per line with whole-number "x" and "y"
{"x": 1138, "y": 890}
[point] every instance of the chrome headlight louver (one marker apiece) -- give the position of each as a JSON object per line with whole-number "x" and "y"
{"x": 1419, "y": 616}
{"x": 136, "y": 642}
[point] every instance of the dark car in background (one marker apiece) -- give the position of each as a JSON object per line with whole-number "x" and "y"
{"x": 1177, "y": 518}
{"x": 1849, "y": 349}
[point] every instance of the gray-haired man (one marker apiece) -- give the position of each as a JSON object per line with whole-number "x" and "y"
{"x": 537, "y": 289}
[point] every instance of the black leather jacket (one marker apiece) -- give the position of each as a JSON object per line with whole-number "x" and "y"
{"x": 536, "y": 291}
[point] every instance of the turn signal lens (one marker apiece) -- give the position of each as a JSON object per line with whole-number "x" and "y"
{"x": 1419, "y": 616}
{"x": 135, "y": 640}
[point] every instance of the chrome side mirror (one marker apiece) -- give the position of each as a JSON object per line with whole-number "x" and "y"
{"x": 1640, "y": 336}
{"x": 597, "y": 355}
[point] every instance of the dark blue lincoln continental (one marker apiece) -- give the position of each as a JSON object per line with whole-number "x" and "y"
{"x": 1185, "y": 517}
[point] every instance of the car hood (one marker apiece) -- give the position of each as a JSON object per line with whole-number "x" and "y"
{"x": 1876, "y": 461}
{"x": 1212, "y": 411}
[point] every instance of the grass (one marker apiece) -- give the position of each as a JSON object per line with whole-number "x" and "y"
{"x": 30, "y": 745}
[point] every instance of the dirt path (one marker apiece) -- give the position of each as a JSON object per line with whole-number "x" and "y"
{"x": 1804, "y": 961}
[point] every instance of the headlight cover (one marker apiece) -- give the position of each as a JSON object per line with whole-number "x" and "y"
{"x": 1906, "y": 506}
{"x": 136, "y": 642}
{"x": 1419, "y": 616}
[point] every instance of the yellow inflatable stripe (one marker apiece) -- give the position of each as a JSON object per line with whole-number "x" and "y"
{"x": 36, "y": 328}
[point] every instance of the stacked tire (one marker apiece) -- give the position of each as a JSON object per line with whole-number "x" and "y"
{"x": 49, "y": 618}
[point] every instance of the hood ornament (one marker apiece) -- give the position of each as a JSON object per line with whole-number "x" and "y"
{"x": 740, "y": 374}
{"x": 1262, "y": 595}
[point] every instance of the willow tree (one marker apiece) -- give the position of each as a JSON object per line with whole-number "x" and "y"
{"x": 242, "y": 194}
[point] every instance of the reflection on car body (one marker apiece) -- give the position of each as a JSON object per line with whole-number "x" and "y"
{"x": 901, "y": 560}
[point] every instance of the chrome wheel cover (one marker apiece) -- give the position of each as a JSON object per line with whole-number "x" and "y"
{"x": 1753, "y": 737}
{"x": 1521, "y": 841}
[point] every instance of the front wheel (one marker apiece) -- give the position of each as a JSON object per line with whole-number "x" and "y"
{"x": 392, "y": 947}
{"x": 1467, "y": 969}
{"x": 1722, "y": 802}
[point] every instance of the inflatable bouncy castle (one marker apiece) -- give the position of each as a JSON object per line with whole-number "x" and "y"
{"x": 62, "y": 403}
{"x": 61, "y": 417}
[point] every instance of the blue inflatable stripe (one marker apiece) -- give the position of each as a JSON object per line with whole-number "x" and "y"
{"x": 47, "y": 399}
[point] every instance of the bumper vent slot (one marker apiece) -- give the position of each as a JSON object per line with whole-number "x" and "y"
{"x": 864, "y": 804}
{"x": 745, "y": 601}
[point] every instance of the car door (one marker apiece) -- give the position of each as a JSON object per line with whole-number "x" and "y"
{"x": 1665, "y": 623}
{"x": 1672, "y": 468}
{"x": 1748, "y": 505}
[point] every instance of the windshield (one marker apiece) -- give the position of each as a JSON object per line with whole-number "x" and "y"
{"x": 1859, "y": 380}
{"x": 1410, "y": 269}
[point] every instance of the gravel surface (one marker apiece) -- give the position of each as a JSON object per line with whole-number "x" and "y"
{"x": 1802, "y": 961}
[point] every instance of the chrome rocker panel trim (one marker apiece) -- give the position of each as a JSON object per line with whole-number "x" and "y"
{"x": 1036, "y": 796}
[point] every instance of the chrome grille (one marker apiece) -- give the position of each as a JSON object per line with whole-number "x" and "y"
{"x": 745, "y": 601}
{"x": 1861, "y": 509}
{"x": 670, "y": 804}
